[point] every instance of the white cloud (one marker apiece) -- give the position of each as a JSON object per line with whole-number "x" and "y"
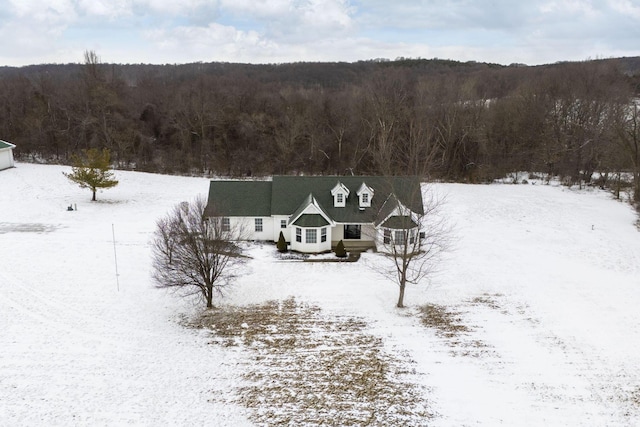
{"x": 214, "y": 42}
{"x": 626, "y": 7}
{"x": 110, "y": 9}
{"x": 174, "y": 7}
{"x": 569, "y": 7}
{"x": 294, "y": 19}
{"x": 317, "y": 30}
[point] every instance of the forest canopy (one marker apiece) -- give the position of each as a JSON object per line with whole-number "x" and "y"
{"x": 469, "y": 122}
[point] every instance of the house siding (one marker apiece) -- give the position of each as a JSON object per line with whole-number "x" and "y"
{"x": 6, "y": 158}
{"x": 246, "y": 228}
{"x": 319, "y": 246}
{"x": 276, "y": 228}
{"x": 267, "y": 228}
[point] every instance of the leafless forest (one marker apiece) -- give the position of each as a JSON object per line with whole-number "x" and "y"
{"x": 468, "y": 122}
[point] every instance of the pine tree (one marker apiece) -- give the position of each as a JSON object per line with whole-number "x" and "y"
{"x": 282, "y": 243}
{"x": 92, "y": 170}
{"x": 340, "y": 251}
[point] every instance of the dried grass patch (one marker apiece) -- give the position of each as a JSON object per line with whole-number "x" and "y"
{"x": 449, "y": 325}
{"x": 635, "y": 396}
{"x": 312, "y": 369}
{"x": 486, "y": 300}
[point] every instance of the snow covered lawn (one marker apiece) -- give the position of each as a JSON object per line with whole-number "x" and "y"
{"x": 533, "y": 320}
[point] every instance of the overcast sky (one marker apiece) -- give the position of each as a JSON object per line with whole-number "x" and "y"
{"x": 276, "y": 31}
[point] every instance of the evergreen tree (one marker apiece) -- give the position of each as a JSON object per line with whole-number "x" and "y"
{"x": 282, "y": 243}
{"x": 92, "y": 170}
{"x": 340, "y": 251}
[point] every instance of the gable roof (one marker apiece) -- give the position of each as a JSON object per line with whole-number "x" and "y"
{"x": 5, "y": 144}
{"x": 400, "y": 223}
{"x": 340, "y": 188}
{"x": 364, "y": 188}
{"x": 285, "y": 195}
{"x": 310, "y": 200}
{"x": 288, "y": 191}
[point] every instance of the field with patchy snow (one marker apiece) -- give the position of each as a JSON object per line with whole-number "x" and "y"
{"x": 533, "y": 319}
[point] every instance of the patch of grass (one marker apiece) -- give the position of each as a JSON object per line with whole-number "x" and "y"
{"x": 312, "y": 369}
{"x": 635, "y": 396}
{"x": 449, "y": 325}
{"x": 486, "y": 299}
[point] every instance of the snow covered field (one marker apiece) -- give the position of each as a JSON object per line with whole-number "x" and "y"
{"x": 541, "y": 293}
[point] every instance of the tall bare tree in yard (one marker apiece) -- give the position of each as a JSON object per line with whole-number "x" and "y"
{"x": 413, "y": 240}
{"x": 92, "y": 171}
{"x": 627, "y": 136}
{"x": 193, "y": 254}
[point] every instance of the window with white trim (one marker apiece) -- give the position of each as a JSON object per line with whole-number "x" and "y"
{"x": 387, "y": 236}
{"x": 226, "y": 224}
{"x": 283, "y": 223}
{"x": 299, "y": 235}
{"x": 258, "y": 224}
{"x": 311, "y": 235}
{"x": 399, "y": 238}
{"x": 365, "y": 198}
{"x": 323, "y": 234}
{"x": 339, "y": 199}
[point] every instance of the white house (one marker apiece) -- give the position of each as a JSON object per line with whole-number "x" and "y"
{"x": 315, "y": 213}
{"x": 6, "y": 155}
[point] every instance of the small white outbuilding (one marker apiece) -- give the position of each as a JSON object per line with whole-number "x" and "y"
{"x": 6, "y": 155}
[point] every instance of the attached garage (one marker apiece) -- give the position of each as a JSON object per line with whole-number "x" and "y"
{"x": 6, "y": 155}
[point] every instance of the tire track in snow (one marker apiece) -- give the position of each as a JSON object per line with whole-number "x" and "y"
{"x": 559, "y": 370}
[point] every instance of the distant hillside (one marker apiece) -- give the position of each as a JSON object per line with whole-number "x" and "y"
{"x": 324, "y": 73}
{"x": 460, "y": 121}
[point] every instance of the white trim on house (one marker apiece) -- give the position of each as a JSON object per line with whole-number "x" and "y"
{"x": 365, "y": 194}
{"x": 313, "y": 208}
{"x": 340, "y": 194}
{"x": 399, "y": 210}
{"x": 387, "y": 235}
{"x": 301, "y": 236}
{"x": 278, "y": 221}
{"x": 309, "y": 239}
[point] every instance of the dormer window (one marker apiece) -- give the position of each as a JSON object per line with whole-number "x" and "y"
{"x": 340, "y": 193}
{"x": 365, "y": 194}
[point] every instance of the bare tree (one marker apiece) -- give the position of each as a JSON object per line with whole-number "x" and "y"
{"x": 627, "y": 132}
{"x": 194, "y": 254}
{"x": 413, "y": 242}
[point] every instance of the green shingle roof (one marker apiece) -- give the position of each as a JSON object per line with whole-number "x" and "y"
{"x": 5, "y": 144}
{"x": 311, "y": 220}
{"x": 285, "y": 194}
{"x": 289, "y": 191}
{"x": 239, "y": 198}
{"x": 399, "y": 223}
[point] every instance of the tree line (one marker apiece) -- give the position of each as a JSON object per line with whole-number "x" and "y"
{"x": 467, "y": 122}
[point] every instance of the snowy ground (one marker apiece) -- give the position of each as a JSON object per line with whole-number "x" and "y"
{"x": 539, "y": 299}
